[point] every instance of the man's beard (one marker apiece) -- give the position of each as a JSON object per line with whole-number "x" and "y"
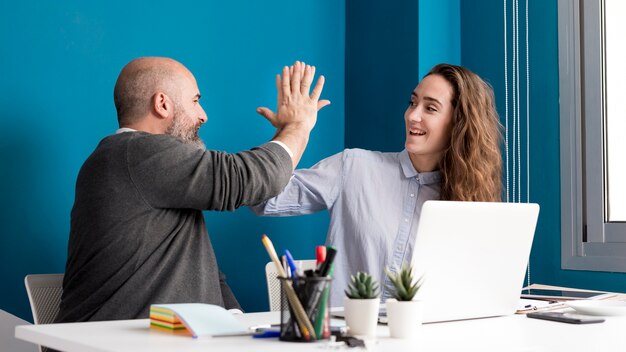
{"x": 183, "y": 131}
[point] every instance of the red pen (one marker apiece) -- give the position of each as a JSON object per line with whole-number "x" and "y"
{"x": 320, "y": 256}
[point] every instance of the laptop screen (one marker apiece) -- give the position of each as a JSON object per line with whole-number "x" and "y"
{"x": 473, "y": 256}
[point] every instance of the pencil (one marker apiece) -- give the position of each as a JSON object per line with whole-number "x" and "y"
{"x": 301, "y": 318}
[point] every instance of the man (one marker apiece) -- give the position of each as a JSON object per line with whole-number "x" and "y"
{"x": 137, "y": 232}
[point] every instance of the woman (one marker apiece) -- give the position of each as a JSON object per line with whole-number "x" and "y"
{"x": 452, "y": 152}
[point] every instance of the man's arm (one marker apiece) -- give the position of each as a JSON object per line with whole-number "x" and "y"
{"x": 297, "y": 109}
{"x": 170, "y": 174}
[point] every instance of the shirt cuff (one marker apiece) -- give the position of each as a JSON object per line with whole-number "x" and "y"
{"x": 284, "y": 147}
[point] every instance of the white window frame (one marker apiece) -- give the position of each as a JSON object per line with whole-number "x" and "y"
{"x": 589, "y": 241}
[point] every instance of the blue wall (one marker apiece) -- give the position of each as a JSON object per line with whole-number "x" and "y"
{"x": 58, "y": 65}
{"x": 482, "y": 25}
{"x": 389, "y": 47}
{"x": 381, "y": 71}
{"x": 439, "y": 29}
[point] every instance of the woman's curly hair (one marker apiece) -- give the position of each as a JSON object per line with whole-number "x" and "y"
{"x": 471, "y": 166}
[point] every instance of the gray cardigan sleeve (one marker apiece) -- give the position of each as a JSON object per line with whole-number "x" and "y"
{"x": 170, "y": 174}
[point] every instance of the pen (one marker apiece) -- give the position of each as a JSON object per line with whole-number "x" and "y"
{"x": 320, "y": 257}
{"x": 547, "y": 307}
{"x": 292, "y": 265}
{"x": 321, "y": 323}
{"x": 266, "y": 333}
{"x": 330, "y": 257}
{"x": 313, "y": 302}
{"x": 328, "y": 250}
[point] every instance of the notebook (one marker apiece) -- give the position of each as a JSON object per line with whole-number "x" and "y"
{"x": 473, "y": 256}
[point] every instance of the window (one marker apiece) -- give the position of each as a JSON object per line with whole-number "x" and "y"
{"x": 615, "y": 28}
{"x": 593, "y": 145}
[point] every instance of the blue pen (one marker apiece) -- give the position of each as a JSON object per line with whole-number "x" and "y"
{"x": 292, "y": 265}
{"x": 266, "y": 334}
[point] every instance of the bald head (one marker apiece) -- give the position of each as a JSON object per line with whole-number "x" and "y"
{"x": 140, "y": 80}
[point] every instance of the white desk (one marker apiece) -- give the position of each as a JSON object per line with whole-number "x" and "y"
{"x": 510, "y": 333}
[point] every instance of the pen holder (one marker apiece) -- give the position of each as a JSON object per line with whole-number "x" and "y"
{"x": 314, "y": 295}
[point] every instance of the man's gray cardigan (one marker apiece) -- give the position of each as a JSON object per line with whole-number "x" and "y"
{"x": 137, "y": 231}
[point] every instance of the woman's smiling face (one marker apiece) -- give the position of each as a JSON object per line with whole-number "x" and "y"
{"x": 428, "y": 121}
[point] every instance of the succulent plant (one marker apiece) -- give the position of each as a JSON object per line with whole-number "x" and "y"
{"x": 404, "y": 285}
{"x": 362, "y": 286}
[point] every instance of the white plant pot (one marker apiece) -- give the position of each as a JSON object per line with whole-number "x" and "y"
{"x": 362, "y": 316}
{"x": 404, "y": 318}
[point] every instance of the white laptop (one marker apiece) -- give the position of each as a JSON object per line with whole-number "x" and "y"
{"x": 473, "y": 256}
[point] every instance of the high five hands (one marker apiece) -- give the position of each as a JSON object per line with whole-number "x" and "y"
{"x": 297, "y": 107}
{"x": 295, "y": 104}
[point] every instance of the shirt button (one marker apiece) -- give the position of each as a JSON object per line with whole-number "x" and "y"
{"x": 412, "y": 194}
{"x": 399, "y": 247}
{"x": 406, "y": 220}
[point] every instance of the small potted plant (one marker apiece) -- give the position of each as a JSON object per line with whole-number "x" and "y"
{"x": 404, "y": 314}
{"x": 361, "y": 305}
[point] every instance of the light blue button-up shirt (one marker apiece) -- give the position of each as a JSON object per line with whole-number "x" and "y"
{"x": 374, "y": 199}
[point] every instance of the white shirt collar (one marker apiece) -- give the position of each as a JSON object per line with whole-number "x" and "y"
{"x": 124, "y": 129}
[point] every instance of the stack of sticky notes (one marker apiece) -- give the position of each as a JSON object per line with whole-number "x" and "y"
{"x": 165, "y": 319}
{"x": 195, "y": 319}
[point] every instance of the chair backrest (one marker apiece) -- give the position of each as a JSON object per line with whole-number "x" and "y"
{"x": 273, "y": 285}
{"x": 8, "y": 342}
{"x": 44, "y": 293}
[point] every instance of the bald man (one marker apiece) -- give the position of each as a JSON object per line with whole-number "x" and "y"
{"x": 137, "y": 232}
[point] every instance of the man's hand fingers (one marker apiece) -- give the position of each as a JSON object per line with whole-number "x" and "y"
{"x": 302, "y": 66}
{"x": 307, "y": 78}
{"x": 267, "y": 113}
{"x": 279, "y": 90}
{"x": 295, "y": 78}
{"x": 286, "y": 84}
{"x": 322, "y": 103}
{"x": 319, "y": 86}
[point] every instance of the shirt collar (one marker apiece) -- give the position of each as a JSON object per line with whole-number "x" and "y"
{"x": 423, "y": 178}
{"x": 124, "y": 129}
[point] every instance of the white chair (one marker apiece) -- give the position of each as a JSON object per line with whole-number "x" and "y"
{"x": 44, "y": 293}
{"x": 273, "y": 285}
{"x": 8, "y": 342}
